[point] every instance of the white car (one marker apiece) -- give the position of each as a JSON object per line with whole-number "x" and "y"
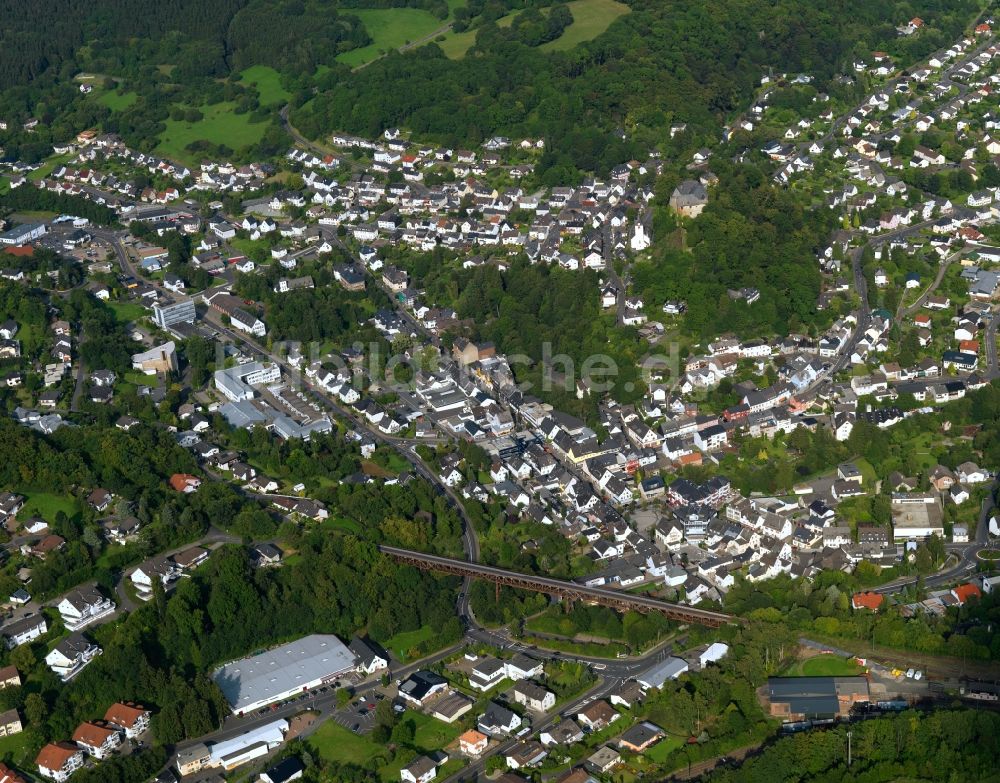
{"x": 918, "y": 674}
{"x": 909, "y": 674}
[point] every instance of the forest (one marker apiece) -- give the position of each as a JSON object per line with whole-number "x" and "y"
{"x": 951, "y": 746}
{"x": 598, "y": 104}
{"x": 661, "y": 63}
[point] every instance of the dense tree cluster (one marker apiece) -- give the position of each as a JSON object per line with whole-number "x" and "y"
{"x": 31, "y": 199}
{"x": 658, "y": 64}
{"x": 947, "y": 746}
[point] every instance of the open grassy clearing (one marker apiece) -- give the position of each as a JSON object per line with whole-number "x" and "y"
{"x": 824, "y": 665}
{"x": 127, "y": 311}
{"x": 455, "y": 45}
{"x": 219, "y": 125}
{"x": 335, "y": 743}
{"x": 268, "y": 84}
{"x": 590, "y": 19}
{"x": 402, "y": 642}
{"x": 117, "y": 101}
{"x": 390, "y": 28}
{"x": 46, "y": 505}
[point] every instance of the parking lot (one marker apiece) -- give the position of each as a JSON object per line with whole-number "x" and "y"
{"x": 358, "y": 716}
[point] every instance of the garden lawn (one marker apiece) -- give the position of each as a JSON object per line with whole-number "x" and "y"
{"x": 268, "y": 84}
{"x": 46, "y": 505}
{"x": 389, "y": 28}
{"x": 126, "y": 312}
{"x": 659, "y": 752}
{"x": 335, "y": 743}
{"x": 590, "y": 19}
{"x": 219, "y": 125}
{"x": 17, "y": 749}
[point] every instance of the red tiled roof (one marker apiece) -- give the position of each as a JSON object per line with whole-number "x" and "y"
{"x": 867, "y": 601}
{"x": 55, "y": 755}
{"x": 124, "y": 715}
{"x": 179, "y": 481}
{"x": 92, "y": 734}
{"x": 964, "y": 592}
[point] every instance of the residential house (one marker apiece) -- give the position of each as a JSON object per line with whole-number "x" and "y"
{"x": 58, "y": 760}
{"x": 97, "y": 739}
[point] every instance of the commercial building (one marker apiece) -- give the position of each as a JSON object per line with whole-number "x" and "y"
{"x": 162, "y": 358}
{"x": 251, "y": 683}
{"x": 248, "y": 746}
{"x": 916, "y": 515}
{"x": 182, "y": 312}
{"x": 667, "y": 669}
{"x": 19, "y": 235}
{"x": 236, "y": 382}
{"x": 809, "y": 698}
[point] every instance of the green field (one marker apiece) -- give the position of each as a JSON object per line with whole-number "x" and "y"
{"x": 49, "y": 166}
{"x": 590, "y": 19}
{"x": 116, "y": 101}
{"x": 46, "y": 505}
{"x": 335, "y": 743}
{"x": 824, "y": 665}
{"x": 268, "y": 84}
{"x": 219, "y": 125}
{"x": 15, "y": 749}
{"x": 127, "y": 311}
{"x": 455, "y": 45}
{"x": 663, "y": 748}
{"x": 402, "y": 642}
{"x": 390, "y": 28}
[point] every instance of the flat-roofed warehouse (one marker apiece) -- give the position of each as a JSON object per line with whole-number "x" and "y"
{"x": 250, "y": 683}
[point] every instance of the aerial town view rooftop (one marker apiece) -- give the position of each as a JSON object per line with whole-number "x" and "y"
{"x": 565, "y": 392}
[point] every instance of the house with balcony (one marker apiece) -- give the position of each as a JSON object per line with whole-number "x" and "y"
{"x": 83, "y": 606}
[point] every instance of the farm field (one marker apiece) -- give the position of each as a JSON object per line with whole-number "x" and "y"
{"x": 590, "y": 19}
{"x": 390, "y": 28}
{"x": 268, "y": 84}
{"x": 219, "y": 125}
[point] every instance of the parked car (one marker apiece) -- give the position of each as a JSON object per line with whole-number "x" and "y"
{"x": 909, "y": 674}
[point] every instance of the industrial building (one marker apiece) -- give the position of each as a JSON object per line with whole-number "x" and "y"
{"x": 285, "y": 671}
{"x": 236, "y": 382}
{"x": 815, "y": 698}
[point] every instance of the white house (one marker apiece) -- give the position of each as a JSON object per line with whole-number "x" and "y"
{"x": 83, "y": 606}
{"x": 98, "y": 740}
{"x": 71, "y": 655}
{"x": 58, "y": 760}
{"x": 421, "y": 770}
{"x": 534, "y": 696}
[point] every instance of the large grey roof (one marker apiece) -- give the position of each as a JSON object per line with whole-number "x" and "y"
{"x": 272, "y": 673}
